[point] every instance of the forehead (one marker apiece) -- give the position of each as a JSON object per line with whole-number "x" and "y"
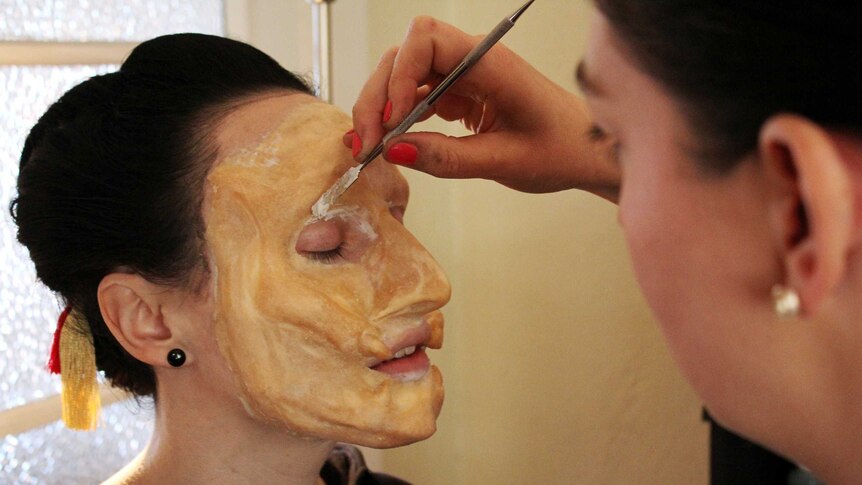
{"x": 270, "y": 123}
{"x": 247, "y": 124}
{"x": 605, "y": 69}
{"x": 289, "y": 147}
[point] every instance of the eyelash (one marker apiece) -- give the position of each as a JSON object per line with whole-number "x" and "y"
{"x": 327, "y": 257}
{"x": 597, "y": 134}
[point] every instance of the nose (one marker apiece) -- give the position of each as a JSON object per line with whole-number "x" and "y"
{"x": 409, "y": 280}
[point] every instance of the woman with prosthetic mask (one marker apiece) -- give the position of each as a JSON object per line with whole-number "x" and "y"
{"x": 730, "y": 136}
{"x": 168, "y": 205}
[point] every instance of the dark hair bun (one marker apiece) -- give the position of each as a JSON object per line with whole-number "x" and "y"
{"x": 111, "y": 177}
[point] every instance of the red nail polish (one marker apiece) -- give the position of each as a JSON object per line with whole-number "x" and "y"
{"x": 357, "y": 145}
{"x": 402, "y": 154}
{"x": 387, "y": 111}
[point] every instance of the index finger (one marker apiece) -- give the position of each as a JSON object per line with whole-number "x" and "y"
{"x": 431, "y": 48}
{"x": 368, "y": 110}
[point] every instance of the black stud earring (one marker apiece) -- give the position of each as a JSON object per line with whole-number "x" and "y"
{"x": 176, "y": 357}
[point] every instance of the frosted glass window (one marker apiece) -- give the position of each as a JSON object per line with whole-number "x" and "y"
{"x": 28, "y": 314}
{"x": 107, "y": 20}
{"x": 28, "y": 311}
{"x": 55, "y": 454}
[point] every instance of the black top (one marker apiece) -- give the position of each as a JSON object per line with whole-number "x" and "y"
{"x": 736, "y": 461}
{"x": 345, "y": 466}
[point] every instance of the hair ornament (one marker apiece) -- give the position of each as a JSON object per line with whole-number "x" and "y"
{"x": 73, "y": 356}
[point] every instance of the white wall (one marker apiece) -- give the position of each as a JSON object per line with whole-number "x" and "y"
{"x": 283, "y": 29}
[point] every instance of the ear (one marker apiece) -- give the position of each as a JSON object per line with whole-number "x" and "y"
{"x": 811, "y": 204}
{"x": 132, "y": 308}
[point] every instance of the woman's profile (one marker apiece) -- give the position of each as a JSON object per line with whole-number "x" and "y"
{"x": 168, "y": 205}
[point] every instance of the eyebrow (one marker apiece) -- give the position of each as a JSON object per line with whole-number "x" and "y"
{"x": 587, "y": 84}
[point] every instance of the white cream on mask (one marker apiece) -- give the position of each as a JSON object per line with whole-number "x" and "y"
{"x": 356, "y": 215}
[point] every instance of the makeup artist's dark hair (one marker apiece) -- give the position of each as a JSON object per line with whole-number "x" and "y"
{"x": 111, "y": 177}
{"x": 733, "y": 64}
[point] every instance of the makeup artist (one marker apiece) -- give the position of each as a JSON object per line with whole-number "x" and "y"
{"x": 730, "y": 135}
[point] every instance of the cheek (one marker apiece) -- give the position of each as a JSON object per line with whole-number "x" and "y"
{"x": 642, "y": 229}
{"x": 646, "y": 214}
{"x": 660, "y": 230}
{"x": 328, "y": 303}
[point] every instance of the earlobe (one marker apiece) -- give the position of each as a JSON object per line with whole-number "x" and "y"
{"x": 811, "y": 205}
{"x": 131, "y": 309}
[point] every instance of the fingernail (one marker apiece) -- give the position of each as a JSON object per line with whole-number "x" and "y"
{"x": 350, "y": 132}
{"x": 357, "y": 145}
{"x": 402, "y": 154}
{"x": 387, "y": 111}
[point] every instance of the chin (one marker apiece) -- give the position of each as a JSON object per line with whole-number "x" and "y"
{"x": 419, "y": 434}
{"x": 412, "y": 417}
{"x": 420, "y": 428}
{"x": 396, "y": 414}
{"x": 391, "y": 434}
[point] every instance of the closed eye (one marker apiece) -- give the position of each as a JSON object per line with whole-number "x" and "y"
{"x": 326, "y": 257}
{"x": 322, "y": 242}
{"x": 597, "y": 135}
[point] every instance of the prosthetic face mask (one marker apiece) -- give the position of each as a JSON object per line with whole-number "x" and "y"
{"x": 323, "y": 322}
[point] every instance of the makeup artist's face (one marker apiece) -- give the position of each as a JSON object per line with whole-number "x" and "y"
{"x": 700, "y": 245}
{"x": 310, "y": 314}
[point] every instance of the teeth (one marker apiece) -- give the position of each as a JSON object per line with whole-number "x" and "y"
{"x": 405, "y": 352}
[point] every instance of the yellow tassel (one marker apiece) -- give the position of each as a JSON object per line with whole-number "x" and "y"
{"x": 81, "y": 402}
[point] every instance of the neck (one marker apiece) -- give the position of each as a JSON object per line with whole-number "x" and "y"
{"x": 823, "y": 432}
{"x": 218, "y": 442}
{"x": 830, "y": 444}
{"x": 835, "y": 456}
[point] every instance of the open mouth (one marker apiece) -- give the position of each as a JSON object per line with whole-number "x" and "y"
{"x": 408, "y": 364}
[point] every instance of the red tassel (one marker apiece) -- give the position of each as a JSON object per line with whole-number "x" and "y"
{"x": 54, "y": 359}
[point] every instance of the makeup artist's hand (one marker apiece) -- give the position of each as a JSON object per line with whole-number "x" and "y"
{"x": 529, "y": 133}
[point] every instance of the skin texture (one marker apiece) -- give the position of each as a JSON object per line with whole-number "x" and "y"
{"x": 298, "y": 330}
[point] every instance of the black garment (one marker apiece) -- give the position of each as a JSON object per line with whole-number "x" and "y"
{"x": 737, "y": 461}
{"x": 345, "y": 466}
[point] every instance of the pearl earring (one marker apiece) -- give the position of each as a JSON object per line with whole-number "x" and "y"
{"x": 786, "y": 302}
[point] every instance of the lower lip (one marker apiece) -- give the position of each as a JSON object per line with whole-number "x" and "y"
{"x": 409, "y": 368}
